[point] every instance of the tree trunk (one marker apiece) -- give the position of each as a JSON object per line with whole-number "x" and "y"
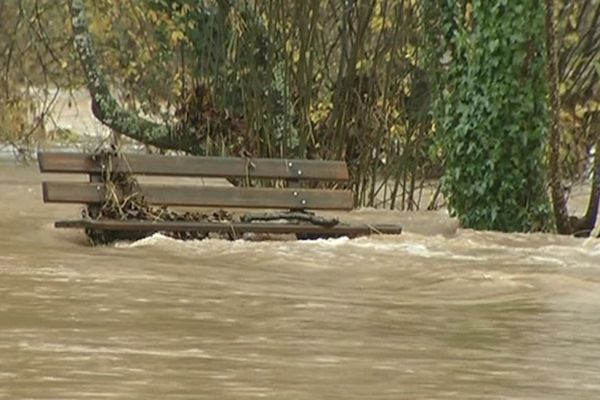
{"x": 106, "y": 108}
{"x": 559, "y": 202}
{"x": 586, "y": 224}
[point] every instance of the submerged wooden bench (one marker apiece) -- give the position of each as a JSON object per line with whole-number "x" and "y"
{"x": 293, "y": 196}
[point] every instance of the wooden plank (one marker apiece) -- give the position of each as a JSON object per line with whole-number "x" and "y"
{"x": 216, "y": 167}
{"x": 206, "y": 196}
{"x": 235, "y": 228}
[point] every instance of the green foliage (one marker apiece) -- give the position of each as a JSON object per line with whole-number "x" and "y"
{"x": 491, "y": 111}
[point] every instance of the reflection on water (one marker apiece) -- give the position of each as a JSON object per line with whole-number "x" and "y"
{"x": 469, "y": 315}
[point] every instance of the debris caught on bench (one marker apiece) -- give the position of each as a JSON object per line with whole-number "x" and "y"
{"x": 304, "y": 216}
{"x": 134, "y": 207}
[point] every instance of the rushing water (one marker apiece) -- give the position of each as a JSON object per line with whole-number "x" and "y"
{"x": 429, "y": 314}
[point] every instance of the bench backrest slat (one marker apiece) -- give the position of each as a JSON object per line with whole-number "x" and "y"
{"x": 206, "y": 196}
{"x": 189, "y": 166}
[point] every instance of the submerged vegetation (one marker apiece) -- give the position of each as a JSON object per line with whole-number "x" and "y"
{"x": 407, "y": 92}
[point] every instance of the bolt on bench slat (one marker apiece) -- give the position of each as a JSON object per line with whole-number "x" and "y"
{"x": 189, "y": 166}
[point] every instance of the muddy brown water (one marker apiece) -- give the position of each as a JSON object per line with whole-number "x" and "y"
{"x": 435, "y": 313}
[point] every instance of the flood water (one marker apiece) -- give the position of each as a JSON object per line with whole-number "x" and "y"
{"x": 431, "y": 314}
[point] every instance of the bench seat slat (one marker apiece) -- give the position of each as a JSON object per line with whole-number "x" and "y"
{"x": 206, "y": 196}
{"x": 235, "y": 228}
{"x": 216, "y": 167}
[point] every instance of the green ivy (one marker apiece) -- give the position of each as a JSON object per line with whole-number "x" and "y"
{"x": 491, "y": 111}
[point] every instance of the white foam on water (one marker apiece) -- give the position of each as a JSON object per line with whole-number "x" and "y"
{"x": 215, "y": 246}
{"x": 462, "y": 257}
{"x": 593, "y": 245}
{"x": 331, "y": 242}
{"x": 155, "y": 239}
{"x": 568, "y": 252}
{"x": 424, "y": 247}
{"x": 112, "y": 350}
{"x": 413, "y": 248}
{"x": 380, "y": 246}
{"x": 537, "y": 259}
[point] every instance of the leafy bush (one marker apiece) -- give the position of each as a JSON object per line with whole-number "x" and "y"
{"x": 491, "y": 112}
